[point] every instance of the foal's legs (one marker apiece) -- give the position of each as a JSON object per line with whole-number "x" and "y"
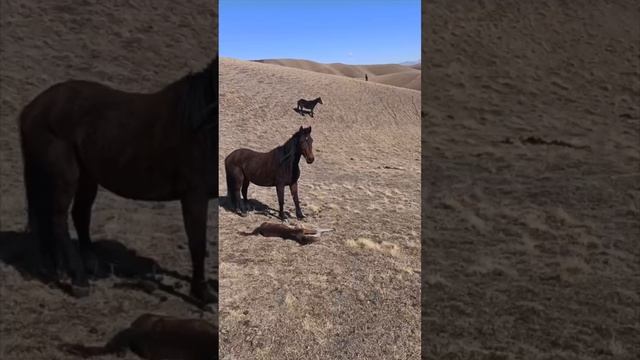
{"x": 81, "y": 214}
{"x": 294, "y": 193}
{"x": 280, "y": 191}
{"x": 194, "y": 213}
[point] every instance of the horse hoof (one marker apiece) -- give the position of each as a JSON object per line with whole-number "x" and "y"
{"x": 78, "y": 291}
{"x": 243, "y": 214}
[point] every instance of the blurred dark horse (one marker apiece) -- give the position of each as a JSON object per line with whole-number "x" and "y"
{"x": 153, "y": 336}
{"x": 158, "y": 146}
{"x": 306, "y": 104}
{"x": 278, "y": 167}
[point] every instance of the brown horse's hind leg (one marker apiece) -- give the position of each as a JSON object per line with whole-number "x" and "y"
{"x": 194, "y": 212}
{"x": 38, "y": 190}
{"x": 245, "y": 189}
{"x": 236, "y": 183}
{"x": 63, "y": 171}
{"x": 235, "y": 179}
{"x": 81, "y": 214}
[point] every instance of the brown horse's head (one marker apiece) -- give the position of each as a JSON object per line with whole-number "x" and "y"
{"x": 306, "y": 144}
{"x": 319, "y": 102}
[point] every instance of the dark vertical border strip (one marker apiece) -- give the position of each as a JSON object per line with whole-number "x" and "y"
{"x": 423, "y": 176}
{"x": 216, "y": 207}
{"x": 531, "y": 179}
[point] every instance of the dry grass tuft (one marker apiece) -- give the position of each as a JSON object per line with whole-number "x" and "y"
{"x": 384, "y": 247}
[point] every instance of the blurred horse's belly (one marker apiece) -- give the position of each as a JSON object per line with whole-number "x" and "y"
{"x": 264, "y": 183}
{"x": 143, "y": 183}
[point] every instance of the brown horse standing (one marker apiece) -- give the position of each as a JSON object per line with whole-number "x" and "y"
{"x": 278, "y": 167}
{"x": 160, "y": 146}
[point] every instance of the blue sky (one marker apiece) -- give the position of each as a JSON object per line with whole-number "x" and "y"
{"x": 347, "y": 31}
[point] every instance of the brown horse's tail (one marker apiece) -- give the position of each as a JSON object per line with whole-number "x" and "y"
{"x": 246, "y": 233}
{"x": 34, "y": 178}
{"x": 231, "y": 188}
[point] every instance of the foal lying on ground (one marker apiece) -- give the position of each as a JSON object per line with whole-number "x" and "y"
{"x": 298, "y": 234}
{"x": 155, "y": 337}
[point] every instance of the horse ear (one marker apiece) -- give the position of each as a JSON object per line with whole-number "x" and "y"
{"x": 300, "y": 129}
{"x": 309, "y": 130}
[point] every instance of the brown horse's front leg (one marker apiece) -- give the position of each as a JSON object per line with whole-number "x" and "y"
{"x": 280, "y": 191}
{"x": 194, "y": 212}
{"x": 294, "y": 193}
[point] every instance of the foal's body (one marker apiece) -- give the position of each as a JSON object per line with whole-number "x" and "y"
{"x": 298, "y": 234}
{"x": 308, "y": 104}
{"x": 278, "y": 167}
{"x": 156, "y": 337}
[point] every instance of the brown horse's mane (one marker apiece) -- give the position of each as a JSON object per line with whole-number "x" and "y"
{"x": 199, "y": 99}
{"x": 290, "y": 153}
{"x": 199, "y": 104}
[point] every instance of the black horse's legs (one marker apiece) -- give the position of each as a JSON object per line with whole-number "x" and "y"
{"x": 81, "y": 214}
{"x": 294, "y": 193}
{"x": 194, "y": 213}
{"x": 280, "y": 191}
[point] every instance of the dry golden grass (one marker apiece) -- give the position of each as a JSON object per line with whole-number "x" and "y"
{"x": 354, "y": 294}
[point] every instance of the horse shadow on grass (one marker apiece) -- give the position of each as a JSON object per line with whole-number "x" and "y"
{"x": 255, "y": 206}
{"x": 303, "y": 112}
{"x": 136, "y": 272}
